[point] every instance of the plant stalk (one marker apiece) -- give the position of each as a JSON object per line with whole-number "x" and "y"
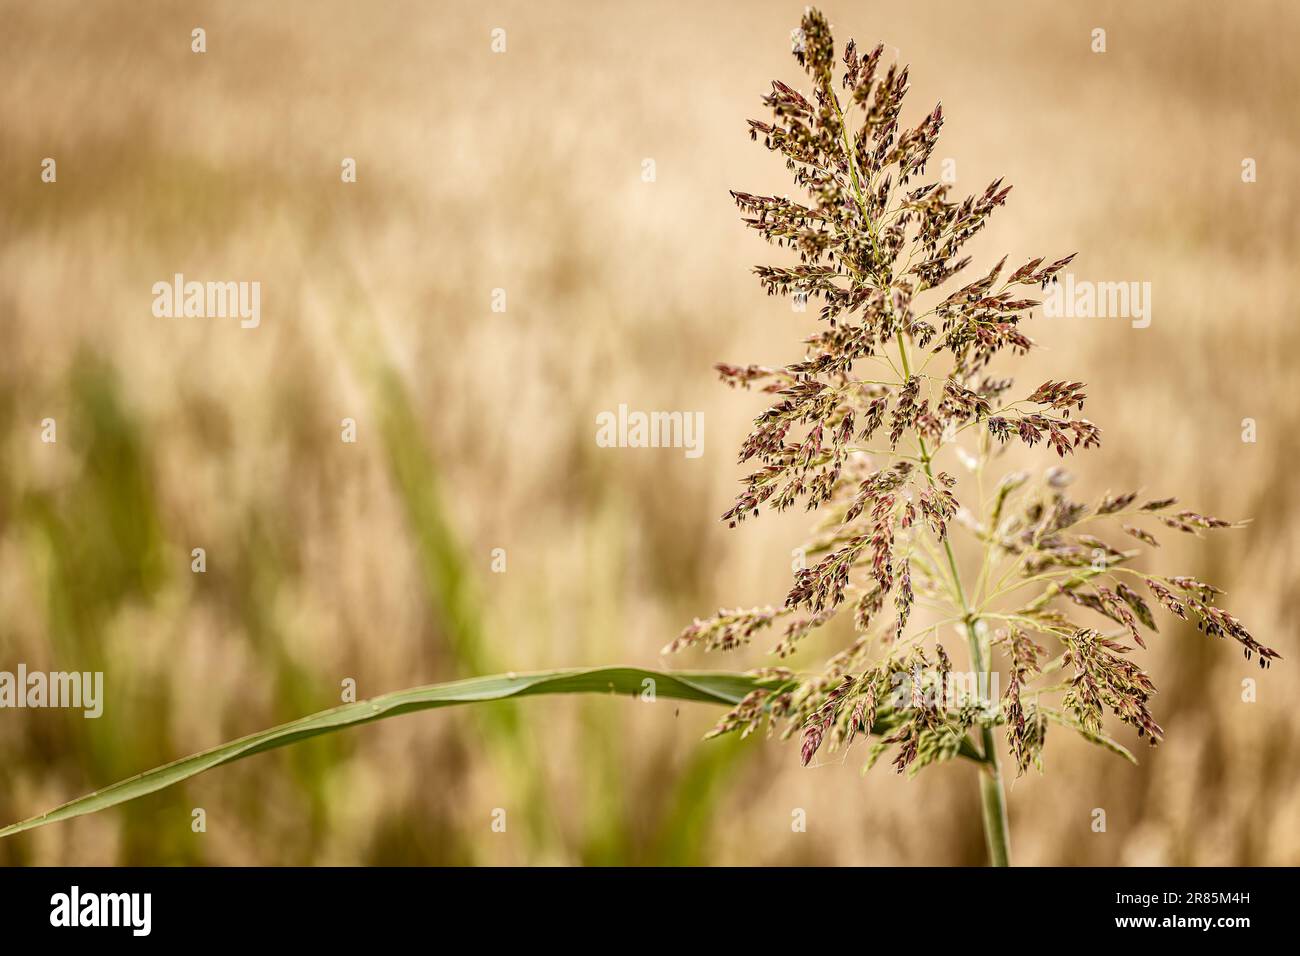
{"x": 997, "y": 831}
{"x": 992, "y": 797}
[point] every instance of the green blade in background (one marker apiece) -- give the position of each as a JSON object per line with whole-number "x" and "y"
{"x": 707, "y": 686}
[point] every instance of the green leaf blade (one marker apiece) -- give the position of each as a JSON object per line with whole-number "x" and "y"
{"x": 701, "y": 686}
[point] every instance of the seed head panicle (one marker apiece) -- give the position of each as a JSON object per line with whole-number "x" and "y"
{"x": 896, "y": 372}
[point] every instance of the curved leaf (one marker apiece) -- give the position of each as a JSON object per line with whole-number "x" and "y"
{"x": 715, "y": 687}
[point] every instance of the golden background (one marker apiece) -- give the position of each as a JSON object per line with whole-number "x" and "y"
{"x": 522, "y": 171}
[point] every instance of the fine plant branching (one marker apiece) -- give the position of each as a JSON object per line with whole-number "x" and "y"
{"x": 899, "y": 369}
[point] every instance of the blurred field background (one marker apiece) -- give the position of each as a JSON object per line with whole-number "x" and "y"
{"x": 522, "y": 171}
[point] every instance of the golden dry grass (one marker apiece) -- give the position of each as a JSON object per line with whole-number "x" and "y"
{"x": 522, "y": 171}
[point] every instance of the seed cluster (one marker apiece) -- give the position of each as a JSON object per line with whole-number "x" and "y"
{"x": 876, "y": 249}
